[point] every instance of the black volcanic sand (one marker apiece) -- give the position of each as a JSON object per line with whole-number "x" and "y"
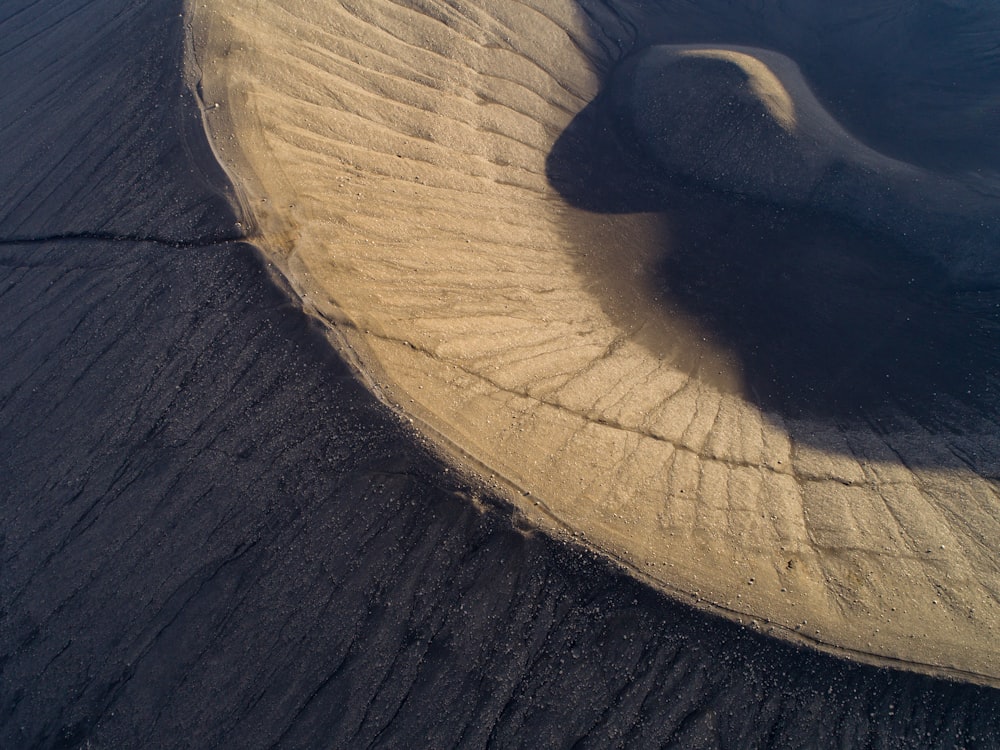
{"x": 212, "y": 535}
{"x": 918, "y": 81}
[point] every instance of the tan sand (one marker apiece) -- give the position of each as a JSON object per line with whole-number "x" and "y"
{"x": 392, "y": 156}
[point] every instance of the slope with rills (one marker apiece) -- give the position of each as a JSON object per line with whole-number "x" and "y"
{"x": 392, "y": 157}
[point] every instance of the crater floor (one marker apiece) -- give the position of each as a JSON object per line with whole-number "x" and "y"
{"x": 393, "y": 161}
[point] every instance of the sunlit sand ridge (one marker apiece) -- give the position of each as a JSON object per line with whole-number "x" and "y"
{"x": 391, "y": 159}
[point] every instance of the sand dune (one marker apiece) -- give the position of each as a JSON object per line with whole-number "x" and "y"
{"x": 212, "y": 535}
{"x": 394, "y": 162}
{"x": 744, "y": 120}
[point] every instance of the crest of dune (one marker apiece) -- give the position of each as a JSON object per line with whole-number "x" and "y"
{"x": 765, "y": 84}
{"x": 391, "y": 159}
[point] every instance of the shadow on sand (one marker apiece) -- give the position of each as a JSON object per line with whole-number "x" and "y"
{"x": 823, "y": 320}
{"x": 826, "y": 318}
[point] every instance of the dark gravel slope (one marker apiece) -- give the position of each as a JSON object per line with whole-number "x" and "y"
{"x": 211, "y": 535}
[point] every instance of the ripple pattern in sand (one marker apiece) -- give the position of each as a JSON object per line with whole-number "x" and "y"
{"x": 393, "y": 157}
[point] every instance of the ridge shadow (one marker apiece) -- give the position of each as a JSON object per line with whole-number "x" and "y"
{"x": 825, "y": 322}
